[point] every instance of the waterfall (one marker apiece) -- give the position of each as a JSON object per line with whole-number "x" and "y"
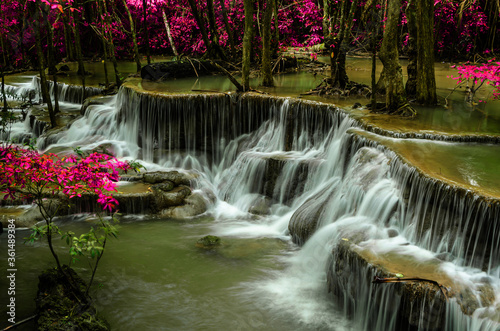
{"x": 288, "y": 168}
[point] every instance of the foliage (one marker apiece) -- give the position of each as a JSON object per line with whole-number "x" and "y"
{"x": 465, "y": 26}
{"x": 478, "y": 75}
{"x": 46, "y": 178}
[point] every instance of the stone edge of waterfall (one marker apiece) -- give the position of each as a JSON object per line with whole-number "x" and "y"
{"x": 414, "y": 304}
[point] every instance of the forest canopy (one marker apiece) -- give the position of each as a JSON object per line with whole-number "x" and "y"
{"x": 462, "y": 28}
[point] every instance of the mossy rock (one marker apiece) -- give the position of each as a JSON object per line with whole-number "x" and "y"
{"x": 208, "y": 242}
{"x": 60, "y": 307}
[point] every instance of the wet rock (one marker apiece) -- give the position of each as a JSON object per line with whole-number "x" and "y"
{"x": 165, "y": 186}
{"x": 92, "y": 101}
{"x": 304, "y": 221}
{"x": 261, "y": 206}
{"x": 59, "y": 307}
{"x": 171, "y": 198}
{"x": 411, "y": 304}
{"x": 28, "y": 216}
{"x": 391, "y": 233}
{"x": 208, "y": 242}
{"x": 173, "y": 176}
{"x": 194, "y": 205}
{"x": 135, "y": 203}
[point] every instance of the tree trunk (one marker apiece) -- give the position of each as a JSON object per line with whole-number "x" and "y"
{"x": 395, "y": 96}
{"x": 79, "y": 56}
{"x": 51, "y": 59}
{"x": 70, "y": 54}
{"x": 426, "y": 81}
{"x": 326, "y": 18}
{"x": 145, "y": 24}
{"x": 266, "y": 70}
{"x": 104, "y": 43}
{"x": 229, "y": 30}
{"x": 54, "y": 72}
{"x": 214, "y": 37}
{"x": 4, "y": 65}
{"x": 201, "y": 26}
{"x": 411, "y": 83}
{"x": 338, "y": 72}
{"x": 41, "y": 67}
{"x": 112, "y": 50}
{"x": 169, "y": 35}
{"x": 247, "y": 44}
{"x": 276, "y": 24}
{"x": 373, "y": 45}
{"x": 134, "y": 37}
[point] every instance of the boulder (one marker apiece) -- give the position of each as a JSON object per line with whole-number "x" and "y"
{"x": 171, "y": 198}
{"x": 194, "y": 205}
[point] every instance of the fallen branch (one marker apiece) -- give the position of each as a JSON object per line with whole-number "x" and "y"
{"x": 233, "y": 80}
{"x": 15, "y": 325}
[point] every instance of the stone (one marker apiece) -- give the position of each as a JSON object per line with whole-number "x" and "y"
{"x": 208, "y": 242}
{"x": 261, "y": 206}
{"x": 304, "y": 220}
{"x": 194, "y": 205}
{"x": 412, "y": 303}
{"x": 64, "y": 67}
{"x": 174, "y": 176}
{"x": 172, "y": 198}
{"x": 27, "y": 216}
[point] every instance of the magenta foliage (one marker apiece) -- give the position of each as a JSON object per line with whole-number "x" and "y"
{"x": 488, "y": 73}
{"x": 31, "y": 175}
{"x": 460, "y": 27}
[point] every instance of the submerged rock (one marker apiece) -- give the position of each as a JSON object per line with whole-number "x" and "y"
{"x": 208, "y": 242}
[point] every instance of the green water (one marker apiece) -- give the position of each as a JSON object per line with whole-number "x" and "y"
{"x": 470, "y": 165}
{"x": 154, "y": 278}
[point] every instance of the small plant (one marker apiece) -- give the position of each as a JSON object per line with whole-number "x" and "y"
{"x": 46, "y": 179}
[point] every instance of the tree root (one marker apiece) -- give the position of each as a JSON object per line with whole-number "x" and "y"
{"x": 326, "y": 90}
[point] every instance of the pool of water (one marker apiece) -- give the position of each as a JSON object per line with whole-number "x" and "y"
{"x": 154, "y": 278}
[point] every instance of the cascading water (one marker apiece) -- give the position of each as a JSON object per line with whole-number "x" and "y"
{"x": 300, "y": 166}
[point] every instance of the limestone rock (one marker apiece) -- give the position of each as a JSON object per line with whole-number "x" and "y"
{"x": 171, "y": 198}
{"x": 194, "y": 205}
{"x": 174, "y": 176}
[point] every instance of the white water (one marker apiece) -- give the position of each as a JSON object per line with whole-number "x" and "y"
{"x": 359, "y": 194}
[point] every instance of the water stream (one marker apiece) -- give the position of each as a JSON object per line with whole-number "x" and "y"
{"x": 302, "y": 161}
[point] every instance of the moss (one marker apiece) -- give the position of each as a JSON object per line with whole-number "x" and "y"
{"x": 60, "y": 307}
{"x": 208, "y": 242}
